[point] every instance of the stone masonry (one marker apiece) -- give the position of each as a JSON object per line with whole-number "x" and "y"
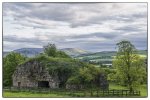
{"x": 33, "y": 74}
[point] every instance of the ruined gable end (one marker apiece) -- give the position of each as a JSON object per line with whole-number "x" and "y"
{"x": 33, "y": 74}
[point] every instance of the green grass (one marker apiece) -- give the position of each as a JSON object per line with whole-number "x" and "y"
{"x": 143, "y": 56}
{"x": 142, "y": 88}
{"x": 31, "y": 94}
{"x": 117, "y": 87}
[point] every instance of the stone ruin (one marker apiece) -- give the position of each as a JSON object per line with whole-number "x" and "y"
{"x": 33, "y": 74}
{"x": 100, "y": 82}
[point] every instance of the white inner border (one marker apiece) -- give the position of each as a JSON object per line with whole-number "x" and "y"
{"x": 1, "y": 1}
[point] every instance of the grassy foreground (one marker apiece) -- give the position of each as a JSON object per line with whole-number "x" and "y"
{"x": 62, "y": 94}
{"x": 31, "y": 95}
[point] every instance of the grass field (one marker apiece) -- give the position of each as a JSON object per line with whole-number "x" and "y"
{"x": 142, "y": 88}
{"x": 31, "y": 95}
{"x": 62, "y": 94}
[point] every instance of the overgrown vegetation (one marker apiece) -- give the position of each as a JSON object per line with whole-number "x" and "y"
{"x": 62, "y": 68}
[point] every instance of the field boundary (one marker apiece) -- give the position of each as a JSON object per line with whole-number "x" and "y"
{"x": 81, "y": 93}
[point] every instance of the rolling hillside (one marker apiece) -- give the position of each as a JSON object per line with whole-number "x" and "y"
{"x": 104, "y": 57}
{"x": 74, "y": 51}
{"x": 31, "y": 52}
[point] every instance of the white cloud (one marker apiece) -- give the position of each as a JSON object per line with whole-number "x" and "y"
{"x": 52, "y": 22}
{"x": 91, "y": 39}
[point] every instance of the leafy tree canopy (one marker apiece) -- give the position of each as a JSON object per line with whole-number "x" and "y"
{"x": 10, "y": 62}
{"x": 130, "y": 66}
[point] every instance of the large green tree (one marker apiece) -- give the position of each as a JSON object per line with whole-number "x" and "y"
{"x": 10, "y": 62}
{"x": 130, "y": 66}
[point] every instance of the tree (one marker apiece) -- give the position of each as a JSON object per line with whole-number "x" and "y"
{"x": 50, "y": 50}
{"x": 10, "y": 62}
{"x": 129, "y": 65}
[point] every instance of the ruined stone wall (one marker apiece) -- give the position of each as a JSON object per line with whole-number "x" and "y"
{"x": 30, "y": 73}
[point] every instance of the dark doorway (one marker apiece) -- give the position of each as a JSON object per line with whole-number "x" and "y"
{"x": 43, "y": 84}
{"x": 19, "y": 83}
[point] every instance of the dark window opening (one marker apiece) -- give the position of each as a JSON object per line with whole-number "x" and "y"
{"x": 19, "y": 83}
{"x": 43, "y": 84}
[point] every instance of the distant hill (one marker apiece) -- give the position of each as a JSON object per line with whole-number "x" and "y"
{"x": 102, "y": 53}
{"x": 143, "y": 52}
{"x": 109, "y": 53}
{"x": 104, "y": 57}
{"x": 74, "y": 51}
{"x": 31, "y": 52}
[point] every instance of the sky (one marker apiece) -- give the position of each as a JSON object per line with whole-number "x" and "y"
{"x": 89, "y": 26}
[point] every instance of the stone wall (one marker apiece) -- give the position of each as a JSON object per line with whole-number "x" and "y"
{"x": 28, "y": 75}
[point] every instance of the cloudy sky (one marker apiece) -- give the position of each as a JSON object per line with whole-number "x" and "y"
{"x": 89, "y": 26}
